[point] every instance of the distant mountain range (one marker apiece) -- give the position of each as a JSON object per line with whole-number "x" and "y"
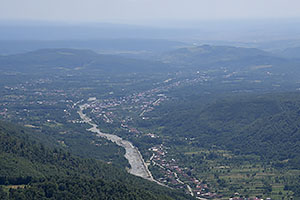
{"x": 130, "y": 47}
{"x": 218, "y": 30}
{"x": 204, "y": 57}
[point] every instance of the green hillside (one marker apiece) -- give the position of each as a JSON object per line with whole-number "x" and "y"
{"x": 31, "y": 170}
{"x": 265, "y": 125}
{"x": 246, "y": 143}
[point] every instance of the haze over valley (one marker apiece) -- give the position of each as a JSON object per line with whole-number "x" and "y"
{"x": 185, "y": 104}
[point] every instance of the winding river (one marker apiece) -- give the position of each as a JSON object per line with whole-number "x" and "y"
{"x": 134, "y": 157}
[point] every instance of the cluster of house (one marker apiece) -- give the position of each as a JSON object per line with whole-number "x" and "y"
{"x": 176, "y": 176}
{"x": 32, "y": 95}
{"x": 139, "y": 102}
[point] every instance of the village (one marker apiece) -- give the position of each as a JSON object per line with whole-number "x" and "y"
{"x": 176, "y": 176}
{"x": 122, "y": 111}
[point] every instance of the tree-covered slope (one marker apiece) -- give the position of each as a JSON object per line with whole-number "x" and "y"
{"x": 31, "y": 170}
{"x": 265, "y": 125}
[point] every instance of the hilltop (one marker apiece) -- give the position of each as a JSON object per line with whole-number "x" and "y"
{"x": 207, "y": 57}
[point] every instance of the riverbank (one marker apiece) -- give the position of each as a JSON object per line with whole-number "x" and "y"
{"x": 134, "y": 157}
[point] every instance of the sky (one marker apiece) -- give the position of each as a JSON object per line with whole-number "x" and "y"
{"x": 146, "y": 11}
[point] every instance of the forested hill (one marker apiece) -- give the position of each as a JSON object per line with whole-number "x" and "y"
{"x": 31, "y": 170}
{"x": 74, "y": 59}
{"x": 209, "y": 57}
{"x": 263, "y": 125}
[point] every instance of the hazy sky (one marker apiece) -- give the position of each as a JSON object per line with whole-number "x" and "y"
{"x": 139, "y": 11}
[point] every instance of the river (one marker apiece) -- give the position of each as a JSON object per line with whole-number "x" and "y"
{"x": 134, "y": 157}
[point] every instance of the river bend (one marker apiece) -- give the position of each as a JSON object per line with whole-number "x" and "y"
{"x": 134, "y": 157}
